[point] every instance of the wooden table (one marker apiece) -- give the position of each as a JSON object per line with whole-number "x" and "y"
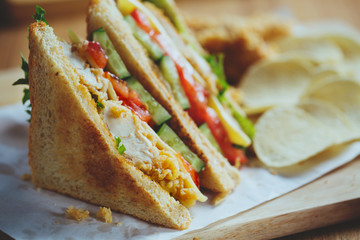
{"x": 13, "y": 42}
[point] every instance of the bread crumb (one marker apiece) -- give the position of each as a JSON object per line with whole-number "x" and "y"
{"x": 104, "y": 215}
{"x": 76, "y": 214}
{"x": 118, "y": 223}
{"x": 38, "y": 189}
{"x": 26, "y": 177}
{"x": 273, "y": 172}
{"x": 237, "y": 163}
{"x": 195, "y": 238}
{"x": 219, "y": 198}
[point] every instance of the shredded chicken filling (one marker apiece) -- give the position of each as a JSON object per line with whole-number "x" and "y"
{"x": 144, "y": 148}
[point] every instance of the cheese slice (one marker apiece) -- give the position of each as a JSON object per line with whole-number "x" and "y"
{"x": 236, "y": 134}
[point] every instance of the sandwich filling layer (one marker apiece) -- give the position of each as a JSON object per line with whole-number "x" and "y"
{"x": 143, "y": 147}
{"x": 205, "y": 107}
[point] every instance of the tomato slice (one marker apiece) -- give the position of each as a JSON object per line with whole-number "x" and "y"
{"x": 144, "y": 23}
{"x": 142, "y": 20}
{"x": 190, "y": 170}
{"x": 96, "y": 55}
{"x": 200, "y": 113}
{"x": 130, "y": 98}
{"x": 195, "y": 92}
{"x": 234, "y": 155}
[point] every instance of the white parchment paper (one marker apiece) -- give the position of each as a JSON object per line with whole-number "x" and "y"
{"x": 30, "y": 213}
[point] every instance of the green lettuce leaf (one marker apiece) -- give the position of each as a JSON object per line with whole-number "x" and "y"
{"x": 216, "y": 62}
{"x": 25, "y": 68}
{"x": 40, "y": 14}
{"x": 25, "y": 81}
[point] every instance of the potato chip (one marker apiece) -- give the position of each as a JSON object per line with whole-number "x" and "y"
{"x": 349, "y": 45}
{"x": 289, "y": 135}
{"x": 255, "y": 110}
{"x": 331, "y": 117}
{"x": 343, "y": 94}
{"x": 319, "y": 50}
{"x": 349, "y": 69}
{"x": 321, "y": 79}
{"x": 274, "y": 83}
{"x": 317, "y": 77}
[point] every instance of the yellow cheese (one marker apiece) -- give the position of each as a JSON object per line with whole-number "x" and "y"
{"x": 125, "y": 7}
{"x": 236, "y": 134}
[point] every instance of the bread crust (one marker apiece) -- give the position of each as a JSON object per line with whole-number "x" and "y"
{"x": 242, "y": 41}
{"x": 218, "y": 175}
{"x": 71, "y": 150}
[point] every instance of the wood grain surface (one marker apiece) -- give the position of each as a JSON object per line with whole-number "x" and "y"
{"x": 324, "y": 205}
{"x": 331, "y": 199}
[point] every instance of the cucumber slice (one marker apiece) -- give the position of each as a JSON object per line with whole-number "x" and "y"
{"x": 117, "y": 67}
{"x": 152, "y": 47}
{"x": 170, "y": 137}
{"x": 207, "y": 133}
{"x": 173, "y": 13}
{"x": 171, "y": 75}
{"x": 115, "y": 64}
{"x": 170, "y": 10}
{"x": 158, "y": 113}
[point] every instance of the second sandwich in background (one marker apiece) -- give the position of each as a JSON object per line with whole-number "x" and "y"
{"x": 181, "y": 80}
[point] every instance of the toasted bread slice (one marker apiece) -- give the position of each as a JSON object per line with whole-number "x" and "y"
{"x": 243, "y": 41}
{"x": 72, "y": 152}
{"x": 218, "y": 175}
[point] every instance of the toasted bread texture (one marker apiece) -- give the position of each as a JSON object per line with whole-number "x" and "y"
{"x": 71, "y": 150}
{"x": 243, "y": 41}
{"x": 218, "y": 175}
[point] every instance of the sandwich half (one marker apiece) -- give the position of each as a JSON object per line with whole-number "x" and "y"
{"x": 154, "y": 64}
{"x": 86, "y": 143}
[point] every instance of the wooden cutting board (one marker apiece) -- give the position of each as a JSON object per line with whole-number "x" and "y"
{"x": 331, "y": 199}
